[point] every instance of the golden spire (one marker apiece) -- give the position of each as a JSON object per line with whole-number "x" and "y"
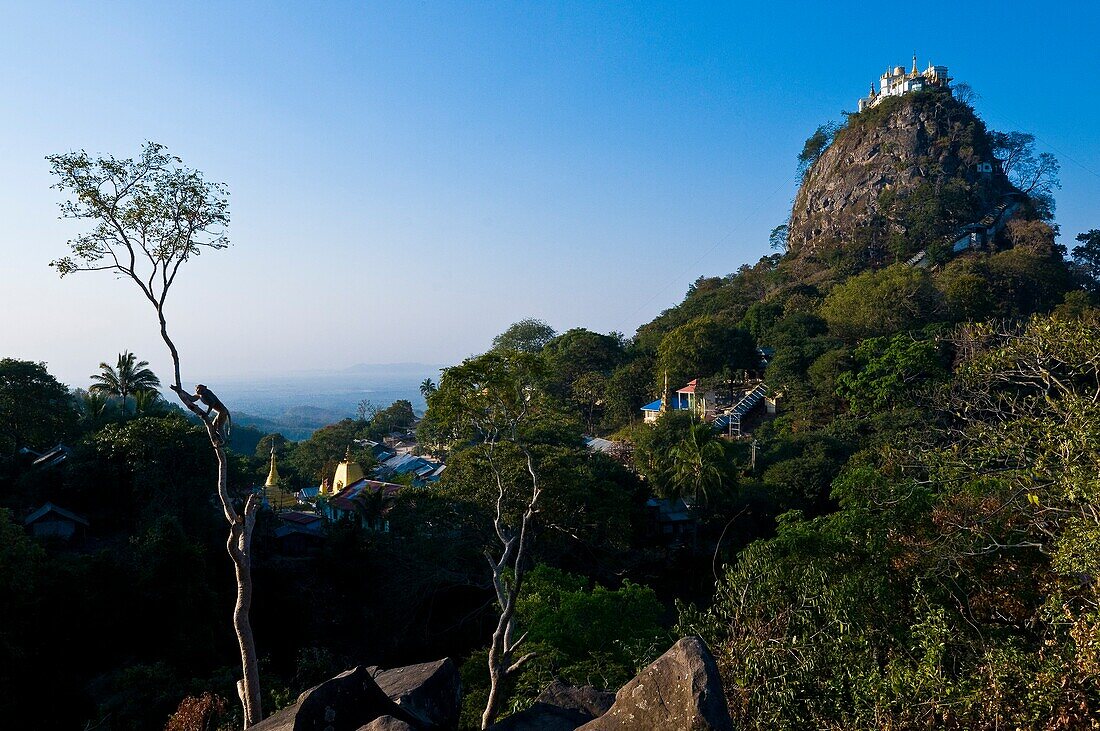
{"x": 914, "y": 63}
{"x": 273, "y": 473}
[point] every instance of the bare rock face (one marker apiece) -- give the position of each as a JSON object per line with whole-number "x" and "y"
{"x": 431, "y": 691}
{"x": 681, "y": 690}
{"x": 345, "y": 703}
{"x": 924, "y": 137}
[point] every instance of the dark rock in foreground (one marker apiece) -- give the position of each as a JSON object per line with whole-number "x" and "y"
{"x": 345, "y": 703}
{"x": 387, "y": 723}
{"x": 431, "y": 691}
{"x": 586, "y": 699}
{"x": 412, "y": 698}
{"x": 680, "y": 690}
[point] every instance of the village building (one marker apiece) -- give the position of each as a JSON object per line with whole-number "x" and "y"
{"x": 51, "y": 521}
{"x": 365, "y": 501}
{"x": 725, "y": 414}
{"x": 684, "y": 399}
{"x": 299, "y": 533}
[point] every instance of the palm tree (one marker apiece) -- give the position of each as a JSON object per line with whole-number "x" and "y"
{"x": 700, "y": 465}
{"x": 427, "y": 388}
{"x": 127, "y": 377}
{"x": 148, "y": 401}
{"x": 372, "y": 506}
{"x": 95, "y": 404}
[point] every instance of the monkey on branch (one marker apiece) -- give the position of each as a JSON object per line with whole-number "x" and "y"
{"x": 222, "y": 422}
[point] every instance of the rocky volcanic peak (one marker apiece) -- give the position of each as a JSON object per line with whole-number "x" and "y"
{"x": 895, "y": 147}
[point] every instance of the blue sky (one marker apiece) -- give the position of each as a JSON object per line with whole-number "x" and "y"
{"x": 407, "y": 179}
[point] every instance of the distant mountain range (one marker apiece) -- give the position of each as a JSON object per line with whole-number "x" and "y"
{"x": 297, "y": 404}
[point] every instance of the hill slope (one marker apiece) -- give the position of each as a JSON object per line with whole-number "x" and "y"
{"x": 895, "y": 179}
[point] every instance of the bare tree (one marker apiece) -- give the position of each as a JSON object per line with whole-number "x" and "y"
{"x": 151, "y": 215}
{"x": 492, "y": 401}
{"x": 508, "y": 569}
{"x": 1035, "y": 174}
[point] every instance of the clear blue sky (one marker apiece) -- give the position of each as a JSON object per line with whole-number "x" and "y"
{"x": 407, "y": 179}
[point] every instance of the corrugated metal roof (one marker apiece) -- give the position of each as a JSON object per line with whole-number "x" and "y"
{"x": 51, "y": 508}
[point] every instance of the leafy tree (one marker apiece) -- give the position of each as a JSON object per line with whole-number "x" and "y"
{"x": 882, "y": 302}
{"x": 815, "y": 145}
{"x": 316, "y": 458}
{"x": 653, "y": 445}
{"x": 21, "y": 563}
{"x": 777, "y": 239}
{"x": 149, "y": 216}
{"x": 586, "y": 634}
{"x": 703, "y": 347}
{"x": 1087, "y": 256}
{"x": 700, "y": 466}
{"x": 577, "y": 354}
{"x": 36, "y": 410}
{"x": 525, "y": 336}
{"x": 628, "y": 388}
{"x": 891, "y": 372}
{"x": 128, "y": 378}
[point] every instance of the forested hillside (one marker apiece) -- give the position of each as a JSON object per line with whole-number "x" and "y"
{"x": 908, "y": 540}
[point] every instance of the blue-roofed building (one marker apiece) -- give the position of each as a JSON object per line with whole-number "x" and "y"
{"x": 684, "y": 399}
{"x": 423, "y": 470}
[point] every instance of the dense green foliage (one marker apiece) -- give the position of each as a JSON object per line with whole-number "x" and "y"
{"x": 909, "y": 542}
{"x": 955, "y": 584}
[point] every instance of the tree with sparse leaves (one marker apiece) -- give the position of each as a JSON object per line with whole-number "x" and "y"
{"x": 150, "y": 216}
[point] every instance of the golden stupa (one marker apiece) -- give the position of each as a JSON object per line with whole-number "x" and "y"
{"x": 277, "y": 497}
{"x": 347, "y": 472}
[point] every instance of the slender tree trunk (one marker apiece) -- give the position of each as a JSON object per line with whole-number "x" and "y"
{"x": 503, "y": 647}
{"x": 239, "y": 546}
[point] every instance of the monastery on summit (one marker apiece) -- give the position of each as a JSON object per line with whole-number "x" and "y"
{"x": 896, "y": 82}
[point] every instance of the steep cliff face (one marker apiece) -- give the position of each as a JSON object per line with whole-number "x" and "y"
{"x": 897, "y": 178}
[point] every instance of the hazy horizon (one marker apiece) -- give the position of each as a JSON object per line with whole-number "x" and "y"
{"x": 408, "y": 180}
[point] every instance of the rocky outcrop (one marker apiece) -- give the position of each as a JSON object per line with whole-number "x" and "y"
{"x": 412, "y": 698}
{"x": 680, "y": 690}
{"x": 894, "y": 148}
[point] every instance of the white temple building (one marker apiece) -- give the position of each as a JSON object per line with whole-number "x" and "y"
{"x": 896, "y": 82}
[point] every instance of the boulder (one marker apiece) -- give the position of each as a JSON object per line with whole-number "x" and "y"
{"x": 680, "y": 690}
{"x": 431, "y": 692}
{"x": 560, "y": 707}
{"x": 585, "y": 699}
{"x": 345, "y": 703}
{"x": 542, "y": 717}
{"x": 387, "y": 723}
